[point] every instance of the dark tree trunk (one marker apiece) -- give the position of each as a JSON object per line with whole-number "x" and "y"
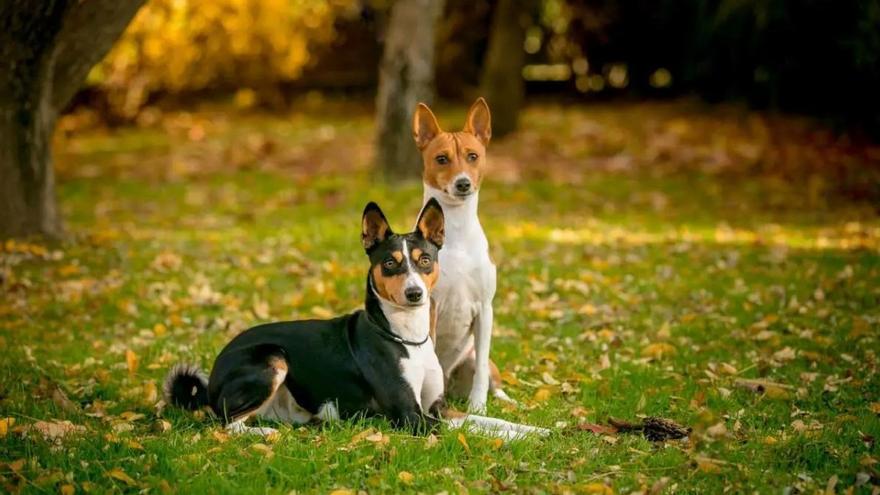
{"x": 46, "y": 51}
{"x": 406, "y": 77}
{"x": 502, "y": 83}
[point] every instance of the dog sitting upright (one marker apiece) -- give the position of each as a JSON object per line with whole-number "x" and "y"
{"x": 379, "y": 360}
{"x": 454, "y": 164}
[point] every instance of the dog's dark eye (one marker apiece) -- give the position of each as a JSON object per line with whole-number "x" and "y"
{"x": 424, "y": 261}
{"x": 389, "y": 263}
{"x": 441, "y": 159}
{"x": 472, "y": 157}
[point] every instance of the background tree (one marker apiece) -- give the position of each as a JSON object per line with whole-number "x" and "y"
{"x": 46, "y": 51}
{"x": 502, "y": 82}
{"x": 406, "y": 77}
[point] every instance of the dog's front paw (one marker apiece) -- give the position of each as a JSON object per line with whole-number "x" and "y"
{"x": 477, "y": 405}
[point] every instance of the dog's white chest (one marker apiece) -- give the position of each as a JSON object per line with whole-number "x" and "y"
{"x": 422, "y": 371}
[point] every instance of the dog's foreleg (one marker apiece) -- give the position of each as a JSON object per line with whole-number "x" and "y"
{"x": 496, "y": 427}
{"x": 482, "y": 343}
{"x": 239, "y": 428}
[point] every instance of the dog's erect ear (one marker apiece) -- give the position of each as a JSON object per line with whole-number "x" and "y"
{"x": 431, "y": 223}
{"x": 479, "y": 121}
{"x": 374, "y": 226}
{"x": 425, "y": 126}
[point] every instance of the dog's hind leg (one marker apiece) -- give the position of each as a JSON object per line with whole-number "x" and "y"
{"x": 462, "y": 376}
{"x": 248, "y": 388}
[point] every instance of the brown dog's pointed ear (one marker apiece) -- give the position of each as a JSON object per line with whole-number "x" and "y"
{"x": 431, "y": 223}
{"x": 479, "y": 121}
{"x": 425, "y": 126}
{"x": 374, "y": 226}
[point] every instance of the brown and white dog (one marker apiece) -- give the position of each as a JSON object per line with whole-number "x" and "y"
{"x": 454, "y": 165}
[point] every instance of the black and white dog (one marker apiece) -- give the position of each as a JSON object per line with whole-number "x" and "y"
{"x": 376, "y": 361}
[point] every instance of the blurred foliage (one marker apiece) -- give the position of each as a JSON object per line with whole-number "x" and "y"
{"x": 820, "y": 57}
{"x": 176, "y": 46}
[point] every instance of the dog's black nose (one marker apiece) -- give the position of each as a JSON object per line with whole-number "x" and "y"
{"x": 463, "y": 185}
{"x": 413, "y": 294}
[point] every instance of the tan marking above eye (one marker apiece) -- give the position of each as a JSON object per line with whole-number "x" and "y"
{"x": 389, "y": 288}
{"x": 430, "y": 279}
{"x": 398, "y": 256}
{"x": 416, "y": 253}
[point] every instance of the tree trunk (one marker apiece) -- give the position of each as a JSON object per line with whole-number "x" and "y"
{"x": 502, "y": 83}
{"x": 406, "y": 77}
{"x": 46, "y": 51}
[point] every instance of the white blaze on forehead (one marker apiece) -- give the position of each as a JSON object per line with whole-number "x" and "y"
{"x": 458, "y": 177}
{"x": 412, "y": 278}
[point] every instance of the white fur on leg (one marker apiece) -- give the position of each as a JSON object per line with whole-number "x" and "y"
{"x": 482, "y": 341}
{"x": 496, "y": 427}
{"x": 239, "y": 428}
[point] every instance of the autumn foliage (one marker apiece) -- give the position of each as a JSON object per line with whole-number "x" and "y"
{"x": 175, "y": 46}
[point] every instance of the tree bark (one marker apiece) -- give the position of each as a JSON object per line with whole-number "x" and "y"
{"x": 46, "y": 51}
{"x": 502, "y": 83}
{"x": 406, "y": 77}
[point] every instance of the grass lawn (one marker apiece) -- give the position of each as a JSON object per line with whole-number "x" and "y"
{"x": 650, "y": 260}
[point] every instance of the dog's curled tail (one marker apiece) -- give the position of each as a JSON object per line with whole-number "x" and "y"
{"x": 186, "y": 386}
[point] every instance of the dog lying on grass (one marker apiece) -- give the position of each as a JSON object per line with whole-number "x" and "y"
{"x": 376, "y": 361}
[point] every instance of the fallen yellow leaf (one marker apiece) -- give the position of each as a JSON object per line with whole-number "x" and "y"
{"x": 263, "y": 449}
{"x": 121, "y": 476}
{"x": 67, "y": 489}
{"x": 463, "y": 441}
{"x": 131, "y": 359}
{"x": 151, "y": 393}
{"x": 5, "y": 424}
{"x": 658, "y": 350}
{"x": 542, "y": 395}
{"x": 406, "y": 477}
{"x": 596, "y": 488}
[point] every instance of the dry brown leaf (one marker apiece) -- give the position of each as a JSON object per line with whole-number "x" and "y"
{"x": 717, "y": 430}
{"x": 431, "y": 441}
{"x": 377, "y": 438}
{"x": 359, "y": 437}
{"x": 322, "y": 312}
{"x": 260, "y": 309}
{"x": 708, "y": 465}
{"x": 785, "y": 354}
{"x": 597, "y": 428}
{"x": 56, "y": 430}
